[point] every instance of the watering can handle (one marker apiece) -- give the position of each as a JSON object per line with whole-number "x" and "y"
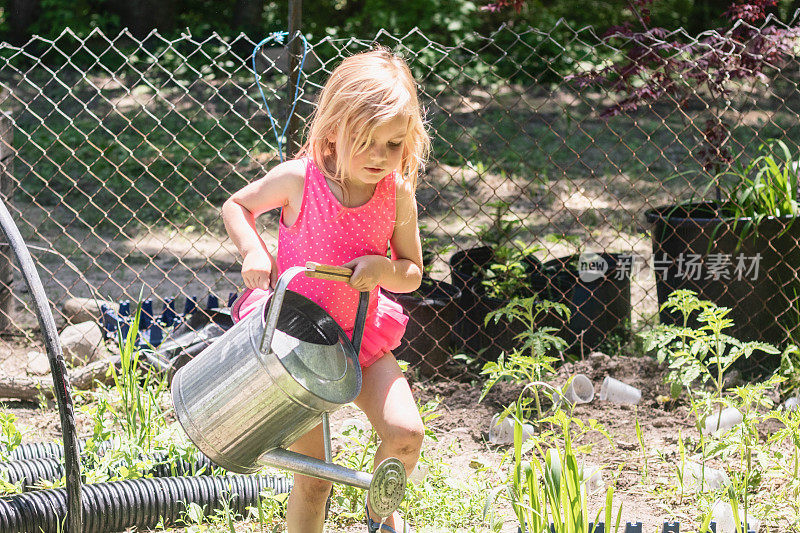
{"x": 313, "y": 270}
{"x": 336, "y": 273}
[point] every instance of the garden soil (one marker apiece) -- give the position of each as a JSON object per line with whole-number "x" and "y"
{"x": 463, "y": 424}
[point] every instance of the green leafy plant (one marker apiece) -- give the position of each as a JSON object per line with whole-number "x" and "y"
{"x": 502, "y": 228}
{"x": 642, "y": 447}
{"x": 532, "y": 361}
{"x": 767, "y": 186}
{"x": 195, "y": 520}
{"x": 269, "y": 511}
{"x": 358, "y": 452}
{"x": 10, "y": 436}
{"x": 787, "y": 462}
{"x": 6, "y": 487}
{"x": 442, "y": 501}
{"x": 789, "y": 370}
{"x": 507, "y": 276}
{"x": 704, "y": 353}
{"x": 140, "y": 416}
{"x": 743, "y": 444}
{"x": 130, "y": 431}
{"x": 701, "y": 356}
{"x": 547, "y": 492}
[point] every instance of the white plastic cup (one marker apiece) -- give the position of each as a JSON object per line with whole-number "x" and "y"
{"x": 722, "y": 514}
{"x": 720, "y": 422}
{"x": 354, "y": 423}
{"x": 712, "y": 478}
{"x": 618, "y": 392}
{"x": 579, "y": 390}
{"x": 419, "y": 473}
{"x": 502, "y": 431}
{"x": 792, "y": 403}
{"x": 593, "y": 479}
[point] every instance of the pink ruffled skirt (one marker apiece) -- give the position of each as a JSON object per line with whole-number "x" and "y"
{"x": 383, "y": 330}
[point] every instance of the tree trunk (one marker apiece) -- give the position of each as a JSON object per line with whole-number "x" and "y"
{"x": 707, "y": 14}
{"x": 247, "y": 17}
{"x": 142, "y": 16}
{"x": 21, "y": 14}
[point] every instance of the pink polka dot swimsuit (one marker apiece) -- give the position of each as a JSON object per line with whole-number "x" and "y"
{"x": 329, "y": 233}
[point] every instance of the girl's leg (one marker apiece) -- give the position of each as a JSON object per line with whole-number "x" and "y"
{"x": 387, "y": 401}
{"x": 305, "y": 512}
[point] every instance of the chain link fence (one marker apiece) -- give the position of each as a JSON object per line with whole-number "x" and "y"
{"x": 119, "y": 152}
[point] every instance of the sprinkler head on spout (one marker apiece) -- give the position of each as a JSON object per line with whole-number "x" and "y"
{"x": 388, "y": 487}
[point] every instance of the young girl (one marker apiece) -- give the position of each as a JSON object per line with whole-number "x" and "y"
{"x": 349, "y": 193}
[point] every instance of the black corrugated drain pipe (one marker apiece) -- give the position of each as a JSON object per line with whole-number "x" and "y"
{"x": 37, "y": 450}
{"x": 139, "y": 503}
{"x": 32, "y": 471}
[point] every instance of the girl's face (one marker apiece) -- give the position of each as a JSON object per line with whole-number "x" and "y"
{"x": 383, "y": 155}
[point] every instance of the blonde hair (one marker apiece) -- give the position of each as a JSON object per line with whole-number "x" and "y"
{"x": 365, "y": 91}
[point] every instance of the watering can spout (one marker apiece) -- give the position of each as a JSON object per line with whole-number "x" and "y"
{"x": 386, "y": 485}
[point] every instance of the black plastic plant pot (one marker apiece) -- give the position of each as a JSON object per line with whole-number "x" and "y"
{"x": 432, "y": 310}
{"x": 750, "y": 267}
{"x": 597, "y": 290}
{"x": 487, "y": 340}
{"x": 468, "y": 267}
{"x": 471, "y": 334}
{"x": 475, "y": 336}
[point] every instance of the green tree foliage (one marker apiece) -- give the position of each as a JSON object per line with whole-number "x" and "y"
{"x": 445, "y": 21}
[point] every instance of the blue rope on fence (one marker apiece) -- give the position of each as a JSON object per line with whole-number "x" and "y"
{"x": 279, "y": 37}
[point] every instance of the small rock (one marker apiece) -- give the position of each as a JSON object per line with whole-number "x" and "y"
{"x": 82, "y": 343}
{"x": 774, "y": 395}
{"x": 598, "y": 355}
{"x": 733, "y": 378}
{"x": 38, "y": 364}
{"x": 78, "y": 310}
{"x": 477, "y": 464}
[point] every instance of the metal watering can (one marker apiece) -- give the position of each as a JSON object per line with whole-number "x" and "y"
{"x": 271, "y": 378}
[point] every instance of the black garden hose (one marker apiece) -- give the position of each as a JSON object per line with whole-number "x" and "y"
{"x": 32, "y": 471}
{"x": 58, "y": 370}
{"x": 138, "y": 503}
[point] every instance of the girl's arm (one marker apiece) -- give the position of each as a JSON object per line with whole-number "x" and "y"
{"x": 281, "y": 187}
{"x": 402, "y": 273}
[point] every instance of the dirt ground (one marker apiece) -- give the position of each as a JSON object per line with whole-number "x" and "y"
{"x": 462, "y": 430}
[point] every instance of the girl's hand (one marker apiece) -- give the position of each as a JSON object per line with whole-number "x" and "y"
{"x": 367, "y": 271}
{"x": 258, "y": 270}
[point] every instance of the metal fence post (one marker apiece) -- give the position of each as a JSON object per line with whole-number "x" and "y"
{"x": 6, "y": 191}
{"x": 295, "y": 49}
